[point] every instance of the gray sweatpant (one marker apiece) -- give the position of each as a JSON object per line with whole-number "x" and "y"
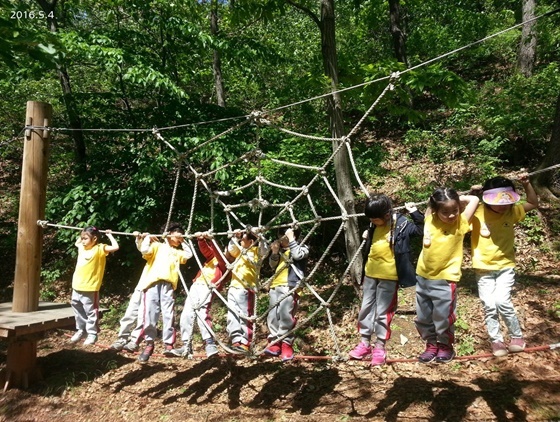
{"x": 379, "y": 304}
{"x": 197, "y": 305}
{"x": 241, "y": 302}
{"x": 86, "y": 311}
{"x": 436, "y": 304}
{"x": 281, "y": 318}
{"x": 158, "y": 299}
{"x": 129, "y": 327}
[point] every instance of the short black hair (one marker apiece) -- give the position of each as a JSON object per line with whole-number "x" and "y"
{"x": 378, "y": 206}
{"x": 174, "y": 227}
{"x": 498, "y": 182}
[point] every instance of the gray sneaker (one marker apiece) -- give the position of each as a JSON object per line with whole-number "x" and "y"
{"x": 118, "y": 345}
{"x": 181, "y": 352}
{"x": 211, "y": 349}
{"x": 131, "y": 346}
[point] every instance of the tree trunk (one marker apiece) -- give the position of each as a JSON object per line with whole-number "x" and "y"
{"x": 528, "y": 44}
{"x": 547, "y": 184}
{"x": 67, "y": 95}
{"x": 216, "y": 62}
{"x": 397, "y": 32}
{"x": 336, "y": 125}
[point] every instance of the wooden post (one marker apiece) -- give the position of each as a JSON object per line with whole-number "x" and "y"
{"x": 31, "y": 208}
{"x": 21, "y": 362}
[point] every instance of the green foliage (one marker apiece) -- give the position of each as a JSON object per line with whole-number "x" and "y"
{"x": 514, "y": 112}
{"x": 532, "y": 225}
{"x": 136, "y": 65}
{"x": 432, "y": 83}
{"x": 554, "y": 312}
{"x": 19, "y": 41}
{"x": 465, "y": 344}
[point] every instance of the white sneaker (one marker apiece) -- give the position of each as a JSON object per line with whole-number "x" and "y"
{"x": 77, "y": 336}
{"x": 91, "y": 339}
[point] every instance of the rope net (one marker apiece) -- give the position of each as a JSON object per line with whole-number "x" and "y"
{"x": 260, "y": 205}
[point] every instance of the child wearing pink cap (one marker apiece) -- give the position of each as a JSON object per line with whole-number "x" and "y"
{"x": 493, "y": 257}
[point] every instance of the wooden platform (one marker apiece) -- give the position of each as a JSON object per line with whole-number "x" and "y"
{"x": 49, "y": 316}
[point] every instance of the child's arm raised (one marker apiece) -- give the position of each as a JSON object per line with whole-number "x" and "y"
{"x": 417, "y": 219}
{"x": 470, "y": 206}
{"x": 532, "y": 198}
{"x": 144, "y": 245}
{"x": 114, "y": 246}
{"x": 274, "y": 258}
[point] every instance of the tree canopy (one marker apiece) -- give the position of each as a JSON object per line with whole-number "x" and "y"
{"x": 121, "y": 64}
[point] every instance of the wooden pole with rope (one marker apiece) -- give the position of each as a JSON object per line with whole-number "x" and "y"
{"x": 21, "y": 364}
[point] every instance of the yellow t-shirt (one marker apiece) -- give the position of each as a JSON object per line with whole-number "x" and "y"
{"x": 244, "y": 273}
{"x": 381, "y": 259}
{"x": 493, "y": 238}
{"x": 207, "y": 272}
{"x": 90, "y": 268}
{"x": 162, "y": 264}
{"x": 442, "y": 259}
{"x": 281, "y": 274}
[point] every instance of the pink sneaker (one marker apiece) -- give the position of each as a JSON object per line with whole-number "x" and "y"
{"x": 517, "y": 345}
{"x": 360, "y": 351}
{"x": 499, "y": 349}
{"x": 379, "y": 355}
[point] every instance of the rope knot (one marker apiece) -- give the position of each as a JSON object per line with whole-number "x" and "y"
{"x": 156, "y": 133}
{"x": 396, "y": 75}
{"x": 42, "y": 223}
{"x": 254, "y": 204}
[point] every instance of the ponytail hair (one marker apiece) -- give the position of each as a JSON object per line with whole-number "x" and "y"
{"x": 442, "y": 195}
{"x": 92, "y": 232}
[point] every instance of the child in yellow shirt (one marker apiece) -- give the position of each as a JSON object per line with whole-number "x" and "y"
{"x": 86, "y": 282}
{"x": 493, "y": 260}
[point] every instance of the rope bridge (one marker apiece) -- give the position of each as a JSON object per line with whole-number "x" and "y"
{"x": 263, "y": 215}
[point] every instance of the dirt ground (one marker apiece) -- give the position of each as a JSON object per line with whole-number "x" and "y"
{"x": 95, "y": 384}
